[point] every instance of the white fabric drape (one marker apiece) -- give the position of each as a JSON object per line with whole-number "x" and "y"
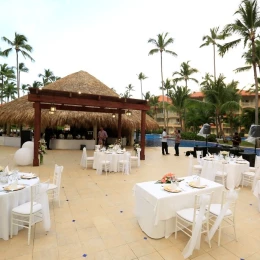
{"x": 194, "y": 241}
{"x": 257, "y": 193}
{"x": 189, "y": 173}
{"x": 256, "y": 178}
{"x": 83, "y": 161}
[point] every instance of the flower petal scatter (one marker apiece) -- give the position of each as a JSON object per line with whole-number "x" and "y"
{"x": 42, "y": 147}
{"x": 168, "y": 177}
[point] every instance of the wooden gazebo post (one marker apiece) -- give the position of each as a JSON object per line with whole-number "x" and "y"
{"x": 143, "y": 117}
{"x": 37, "y": 132}
{"x": 119, "y": 124}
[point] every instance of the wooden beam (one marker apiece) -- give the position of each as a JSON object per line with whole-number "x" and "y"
{"x": 83, "y": 109}
{"x": 86, "y": 102}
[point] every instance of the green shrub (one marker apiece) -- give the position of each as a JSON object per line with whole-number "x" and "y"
{"x": 191, "y": 136}
{"x": 212, "y": 138}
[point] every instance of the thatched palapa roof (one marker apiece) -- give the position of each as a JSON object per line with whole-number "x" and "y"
{"x": 20, "y": 111}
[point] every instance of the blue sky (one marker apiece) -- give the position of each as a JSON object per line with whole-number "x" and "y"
{"x": 109, "y": 39}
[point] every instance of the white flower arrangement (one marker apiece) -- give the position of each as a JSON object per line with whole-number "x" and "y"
{"x": 42, "y": 147}
{"x": 224, "y": 153}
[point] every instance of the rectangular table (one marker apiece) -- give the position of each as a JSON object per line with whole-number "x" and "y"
{"x": 156, "y": 208}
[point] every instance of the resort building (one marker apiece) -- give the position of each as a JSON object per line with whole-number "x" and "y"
{"x": 247, "y": 101}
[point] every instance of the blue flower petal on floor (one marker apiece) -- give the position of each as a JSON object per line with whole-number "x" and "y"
{"x": 84, "y": 255}
{"x": 73, "y": 220}
{"x": 67, "y": 200}
{"x": 145, "y": 238}
{"x": 106, "y": 194}
{"x": 250, "y": 204}
{"x": 121, "y": 211}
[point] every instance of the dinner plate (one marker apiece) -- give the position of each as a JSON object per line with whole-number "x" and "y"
{"x": 241, "y": 162}
{"x": 28, "y": 177}
{"x": 119, "y": 152}
{"x": 18, "y": 187}
{"x": 194, "y": 185}
{"x": 169, "y": 189}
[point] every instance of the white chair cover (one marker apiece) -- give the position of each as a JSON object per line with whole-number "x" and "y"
{"x": 257, "y": 193}
{"x": 231, "y": 196}
{"x": 256, "y": 178}
{"x": 83, "y": 162}
{"x": 44, "y": 201}
{"x": 189, "y": 173}
{"x": 208, "y": 172}
{"x": 103, "y": 161}
{"x": 194, "y": 241}
{"x": 97, "y": 147}
{"x": 126, "y": 163}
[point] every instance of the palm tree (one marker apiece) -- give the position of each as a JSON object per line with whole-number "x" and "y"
{"x": 212, "y": 39}
{"x": 126, "y": 94}
{"x": 160, "y": 46}
{"x": 179, "y": 95}
{"x": 25, "y": 87}
{"x": 48, "y": 77}
{"x": 10, "y": 90}
{"x": 22, "y": 68}
{"x": 185, "y": 72}
{"x": 141, "y": 77}
{"x": 221, "y": 98}
{"x": 147, "y": 95}
{"x": 6, "y": 73}
{"x": 246, "y": 26}
{"x": 36, "y": 84}
{"x": 129, "y": 88}
{"x": 154, "y": 103}
{"x": 20, "y": 45}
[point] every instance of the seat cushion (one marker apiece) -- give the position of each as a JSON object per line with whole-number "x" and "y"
{"x": 249, "y": 174}
{"x": 252, "y": 169}
{"x": 52, "y": 186}
{"x": 220, "y": 173}
{"x": 216, "y": 208}
{"x": 26, "y": 207}
{"x": 134, "y": 158}
{"x": 197, "y": 166}
{"x": 187, "y": 214}
{"x": 90, "y": 158}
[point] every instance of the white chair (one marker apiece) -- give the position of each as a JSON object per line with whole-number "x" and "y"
{"x": 103, "y": 163}
{"x": 248, "y": 178}
{"x": 124, "y": 164}
{"x": 136, "y": 158}
{"x": 198, "y": 167}
{"x": 30, "y": 213}
{"x": 257, "y": 164}
{"x": 224, "y": 213}
{"x": 54, "y": 187}
{"x": 187, "y": 219}
{"x": 221, "y": 175}
{"x": 97, "y": 147}
{"x": 85, "y": 159}
{"x": 191, "y": 170}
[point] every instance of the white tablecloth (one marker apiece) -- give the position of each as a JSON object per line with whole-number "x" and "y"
{"x": 234, "y": 170}
{"x": 10, "y": 200}
{"x": 156, "y": 208}
{"x": 257, "y": 193}
{"x": 113, "y": 157}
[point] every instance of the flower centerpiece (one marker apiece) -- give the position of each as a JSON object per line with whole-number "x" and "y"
{"x": 167, "y": 178}
{"x": 42, "y": 149}
{"x": 224, "y": 154}
{"x": 1, "y": 169}
{"x": 136, "y": 146}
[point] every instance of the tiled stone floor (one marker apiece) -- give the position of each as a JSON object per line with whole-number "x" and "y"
{"x": 96, "y": 219}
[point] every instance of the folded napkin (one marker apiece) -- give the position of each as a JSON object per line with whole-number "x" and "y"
{"x": 28, "y": 175}
{"x": 209, "y": 154}
{"x": 240, "y": 158}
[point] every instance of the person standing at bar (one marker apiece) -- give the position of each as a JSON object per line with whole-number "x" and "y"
{"x": 102, "y": 136}
{"x": 164, "y": 142}
{"x": 177, "y": 142}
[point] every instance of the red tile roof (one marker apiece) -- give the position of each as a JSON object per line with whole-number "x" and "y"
{"x": 197, "y": 95}
{"x": 166, "y": 99}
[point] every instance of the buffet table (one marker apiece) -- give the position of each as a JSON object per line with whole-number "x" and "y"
{"x": 9, "y": 200}
{"x": 10, "y": 141}
{"x": 156, "y": 208}
{"x": 71, "y": 144}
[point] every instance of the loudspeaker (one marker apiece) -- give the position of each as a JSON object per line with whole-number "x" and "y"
{"x": 206, "y": 129}
{"x": 254, "y": 131}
